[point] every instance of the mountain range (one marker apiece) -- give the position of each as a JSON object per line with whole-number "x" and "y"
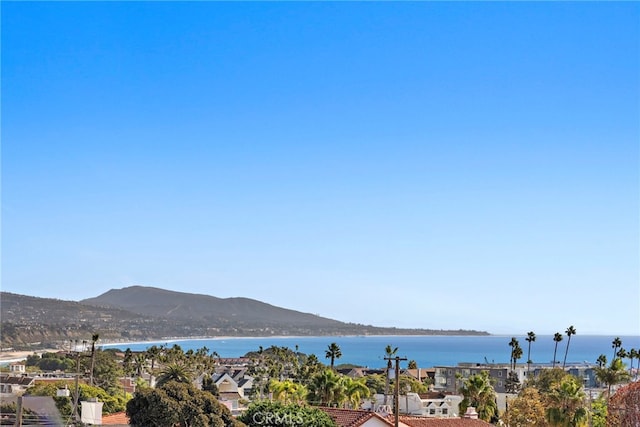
{"x": 140, "y": 313}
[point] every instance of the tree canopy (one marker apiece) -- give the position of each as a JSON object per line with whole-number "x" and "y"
{"x": 276, "y": 414}
{"x": 178, "y": 404}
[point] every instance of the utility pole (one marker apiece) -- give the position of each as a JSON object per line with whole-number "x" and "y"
{"x": 396, "y": 394}
{"x": 19, "y": 412}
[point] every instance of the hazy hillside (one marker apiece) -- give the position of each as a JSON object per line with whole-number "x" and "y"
{"x": 141, "y": 313}
{"x": 157, "y": 302}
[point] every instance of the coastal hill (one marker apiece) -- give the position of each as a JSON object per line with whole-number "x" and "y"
{"x": 157, "y": 302}
{"x": 140, "y": 313}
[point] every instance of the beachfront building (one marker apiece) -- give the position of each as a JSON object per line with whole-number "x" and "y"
{"x": 449, "y": 379}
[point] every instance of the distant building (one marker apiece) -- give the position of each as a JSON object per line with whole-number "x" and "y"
{"x": 432, "y": 404}
{"x": 451, "y": 378}
{"x": 17, "y": 368}
{"x": 14, "y": 385}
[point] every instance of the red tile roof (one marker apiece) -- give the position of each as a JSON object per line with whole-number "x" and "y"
{"x": 442, "y": 422}
{"x": 117, "y": 419}
{"x": 352, "y": 417}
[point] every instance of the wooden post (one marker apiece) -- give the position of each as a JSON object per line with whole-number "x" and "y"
{"x": 19, "y": 412}
{"x": 396, "y": 397}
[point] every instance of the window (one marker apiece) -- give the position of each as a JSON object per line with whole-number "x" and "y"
{"x": 449, "y": 372}
{"x": 445, "y": 411}
{"x": 432, "y": 411}
{"x": 499, "y": 383}
{"x": 499, "y": 373}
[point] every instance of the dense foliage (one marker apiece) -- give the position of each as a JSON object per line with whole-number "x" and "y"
{"x": 112, "y": 402}
{"x": 477, "y": 391}
{"x": 276, "y": 414}
{"x": 180, "y": 405}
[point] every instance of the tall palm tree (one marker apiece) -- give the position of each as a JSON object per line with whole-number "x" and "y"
{"x": 517, "y": 355}
{"x": 633, "y": 354}
{"x": 333, "y": 352}
{"x": 514, "y": 344}
{"x": 622, "y": 353}
{"x": 389, "y": 352}
{"x": 557, "y": 337}
{"x": 602, "y": 361}
{"x": 94, "y": 340}
{"x": 615, "y": 344}
{"x": 570, "y": 331}
{"x": 531, "y": 337}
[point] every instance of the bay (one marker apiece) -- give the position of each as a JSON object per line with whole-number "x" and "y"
{"x": 427, "y": 351}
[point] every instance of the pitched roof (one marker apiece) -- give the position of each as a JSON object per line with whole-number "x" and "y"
{"x": 117, "y": 419}
{"x": 16, "y": 380}
{"x": 352, "y": 417}
{"x": 442, "y": 422}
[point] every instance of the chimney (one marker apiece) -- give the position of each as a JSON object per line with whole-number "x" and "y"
{"x": 471, "y": 413}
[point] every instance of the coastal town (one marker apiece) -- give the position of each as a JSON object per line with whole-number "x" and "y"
{"x": 279, "y": 386}
{"x": 320, "y": 213}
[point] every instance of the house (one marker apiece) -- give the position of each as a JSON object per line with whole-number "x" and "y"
{"x": 432, "y": 404}
{"x": 14, "y": 385}
{"x": 233, "y": 385}
{"x": 352, "y": 372}
{"x": 17, "y": 368}
{"x": 421, "y": 374}
{"x": 360, "y": 418}
{"x": 356, "y": 418}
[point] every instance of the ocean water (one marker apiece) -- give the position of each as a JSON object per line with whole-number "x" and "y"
{"x": 427, "y": 351}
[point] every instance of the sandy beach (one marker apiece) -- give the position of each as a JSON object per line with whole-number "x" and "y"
{"x": 16, "y": 356}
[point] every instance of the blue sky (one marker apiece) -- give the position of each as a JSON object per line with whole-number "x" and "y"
{"x": 417, "y": 164}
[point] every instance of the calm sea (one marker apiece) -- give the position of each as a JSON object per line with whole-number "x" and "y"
{"x": 427, "y": 351}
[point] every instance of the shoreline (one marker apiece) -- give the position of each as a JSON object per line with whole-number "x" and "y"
{"x": 7, "y": 357}
{"x": 112, "y": 344}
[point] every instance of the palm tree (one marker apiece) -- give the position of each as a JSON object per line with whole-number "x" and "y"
{"x": 478, "y": 392}
{"x": 94, "y": 340}
{"x": 333, "y": 352}
{"x": 566, "y": 404}
{"x": 514, "y": 344}
{"x": 602, "y": 361}
{"x": 556, "y": 338}
{"x": 389, "y": 352}
{"x": 517, "y": 355}
{"x": 612, "y": 375}
{"x": 616, "y": 344}
{"x": 355, "y": 391}
{"x": 325, "y": 388}
{"x": 622, "y": 353}
{"x": 287, "y": 391}
{"x": 139, "y": 363}
{"x": 633, "y": 354}
{"x": 570, "y": 331}
{"x": 531, "y": 337}
{"x": 174, "y": 372}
